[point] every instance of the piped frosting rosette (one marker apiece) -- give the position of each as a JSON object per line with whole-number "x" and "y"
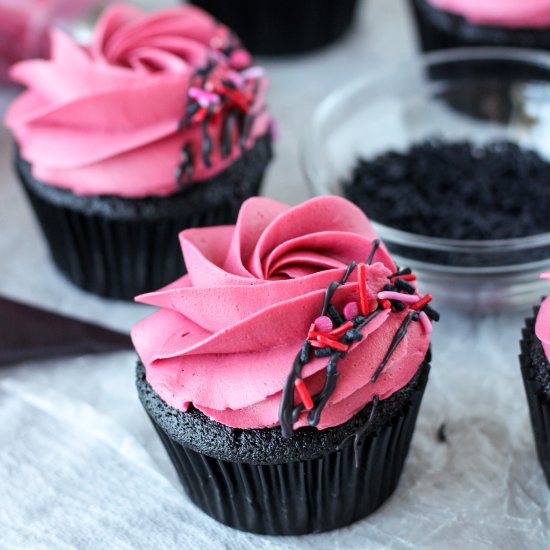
{"x": 154, "y": 102}
{"x": 227, "y": 333}
{"x": 507, "y": 13}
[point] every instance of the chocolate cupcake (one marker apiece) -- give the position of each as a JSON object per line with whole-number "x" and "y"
{"x": 535, "y": 369}
{"x": 285, "y": 372}
{"x": 286, "y": 26}
{"x": 457, "y": 23}
{"x": 159, "y": 124}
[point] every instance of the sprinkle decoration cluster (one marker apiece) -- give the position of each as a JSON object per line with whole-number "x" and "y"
{"x": 225, "y": 94}
{"x": 333, "y": 332}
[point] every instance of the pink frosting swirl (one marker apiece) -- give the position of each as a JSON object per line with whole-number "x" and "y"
{"x": 506, "y": 13}
{"x": 227, "y": 332}
{"x": 106, "y": 118}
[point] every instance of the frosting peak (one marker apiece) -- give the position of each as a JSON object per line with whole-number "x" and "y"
{"x": 507, "y": 13}
{"x": 228, "y": 332}
{"x": 154, "y": 101}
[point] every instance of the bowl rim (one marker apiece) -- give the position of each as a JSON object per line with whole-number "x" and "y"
{"x": 422, "y": 61}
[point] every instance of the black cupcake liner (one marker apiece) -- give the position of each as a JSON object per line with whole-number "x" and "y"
{"x": 119, "y": 248}
{"x": 537, "y": 400}
{"x": 295, "y": 497}
{"x": 438, "y": 30}
{"x": 283, "y": 27}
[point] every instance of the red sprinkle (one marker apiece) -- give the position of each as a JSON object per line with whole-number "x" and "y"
{"x": 200, "y": 115}
{"x": 386, "y": 304}
{"x": 363, "y": 297}
{"x": 316, "y": 344}
{"x": 422, "y": 302}
{"x": 332, "y": 343}
{"x": 340, "y": 330}
{"x": 241, "y": 99}
{"x": 408, "y": 277}
{"x": 304, "y": 394}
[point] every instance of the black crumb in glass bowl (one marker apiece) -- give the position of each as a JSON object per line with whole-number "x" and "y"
{"x": 457, "y": 190}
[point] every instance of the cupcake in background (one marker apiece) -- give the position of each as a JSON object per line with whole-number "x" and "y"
{"x": 159, "y": 124}
{"x": 284, "y": 372}
{"x": 456, "y": 23}
{"x": 25, "y": 24}
{"x": 284, "y": 27}
{"x": 535, "y": 369}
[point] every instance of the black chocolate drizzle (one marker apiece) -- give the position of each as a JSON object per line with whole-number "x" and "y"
{"x": 233, "y": 116}
{"x": 226, "y": 140}
{"x": 360, "y": 433}
{"x": 375, "y": 246}
{"x": 206, "y": 149}
{"x": 288, "y": 412}
{"x": 399, "y": 335}
{"x": 184, "y": 171}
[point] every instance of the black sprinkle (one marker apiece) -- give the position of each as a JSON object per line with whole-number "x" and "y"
{"x": 329, "y": 292}
{"x": 400, "y": 272}
{"x": 431, "y": 313}
{"x": 397, "y": 305}
{"x": 304, "y": 352}
{"x": 353, "y": 335}
{"x": 404, "y": 285}
{"x": 206, "y": 141}
{"x": 456, "y": 190}
{"x": 229, "y": 84}
{"x": 335, "y": 315}
{"x": 442, "y": 433}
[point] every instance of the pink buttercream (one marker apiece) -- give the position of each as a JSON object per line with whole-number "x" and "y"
{"x": 227, "y": 332}
{"x": 542, "y": 326}
{"x": 104, "y": 119}
{"x": 506, "y": 13}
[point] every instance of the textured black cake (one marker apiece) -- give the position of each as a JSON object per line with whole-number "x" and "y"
{"x": 535, "y": 370}
{"x": 285, "y": 26}
{"x": 120, "y": 247}
{"x": 303, "y": 484}
{"x": 438, "y": 29}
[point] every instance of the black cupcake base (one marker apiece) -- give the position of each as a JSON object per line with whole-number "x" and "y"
{"x": 119, "y": 247}
{"x": 535, "y": 371}
{"x": 283, "y": 27}
{"x": 254, "y": 480}
{"x": 439, "y": 30}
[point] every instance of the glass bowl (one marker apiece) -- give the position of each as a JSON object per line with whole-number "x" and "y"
{"x": 477, "y": 94}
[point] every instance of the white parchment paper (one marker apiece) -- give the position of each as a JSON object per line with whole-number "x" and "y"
{"x": 80, "y": 465}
